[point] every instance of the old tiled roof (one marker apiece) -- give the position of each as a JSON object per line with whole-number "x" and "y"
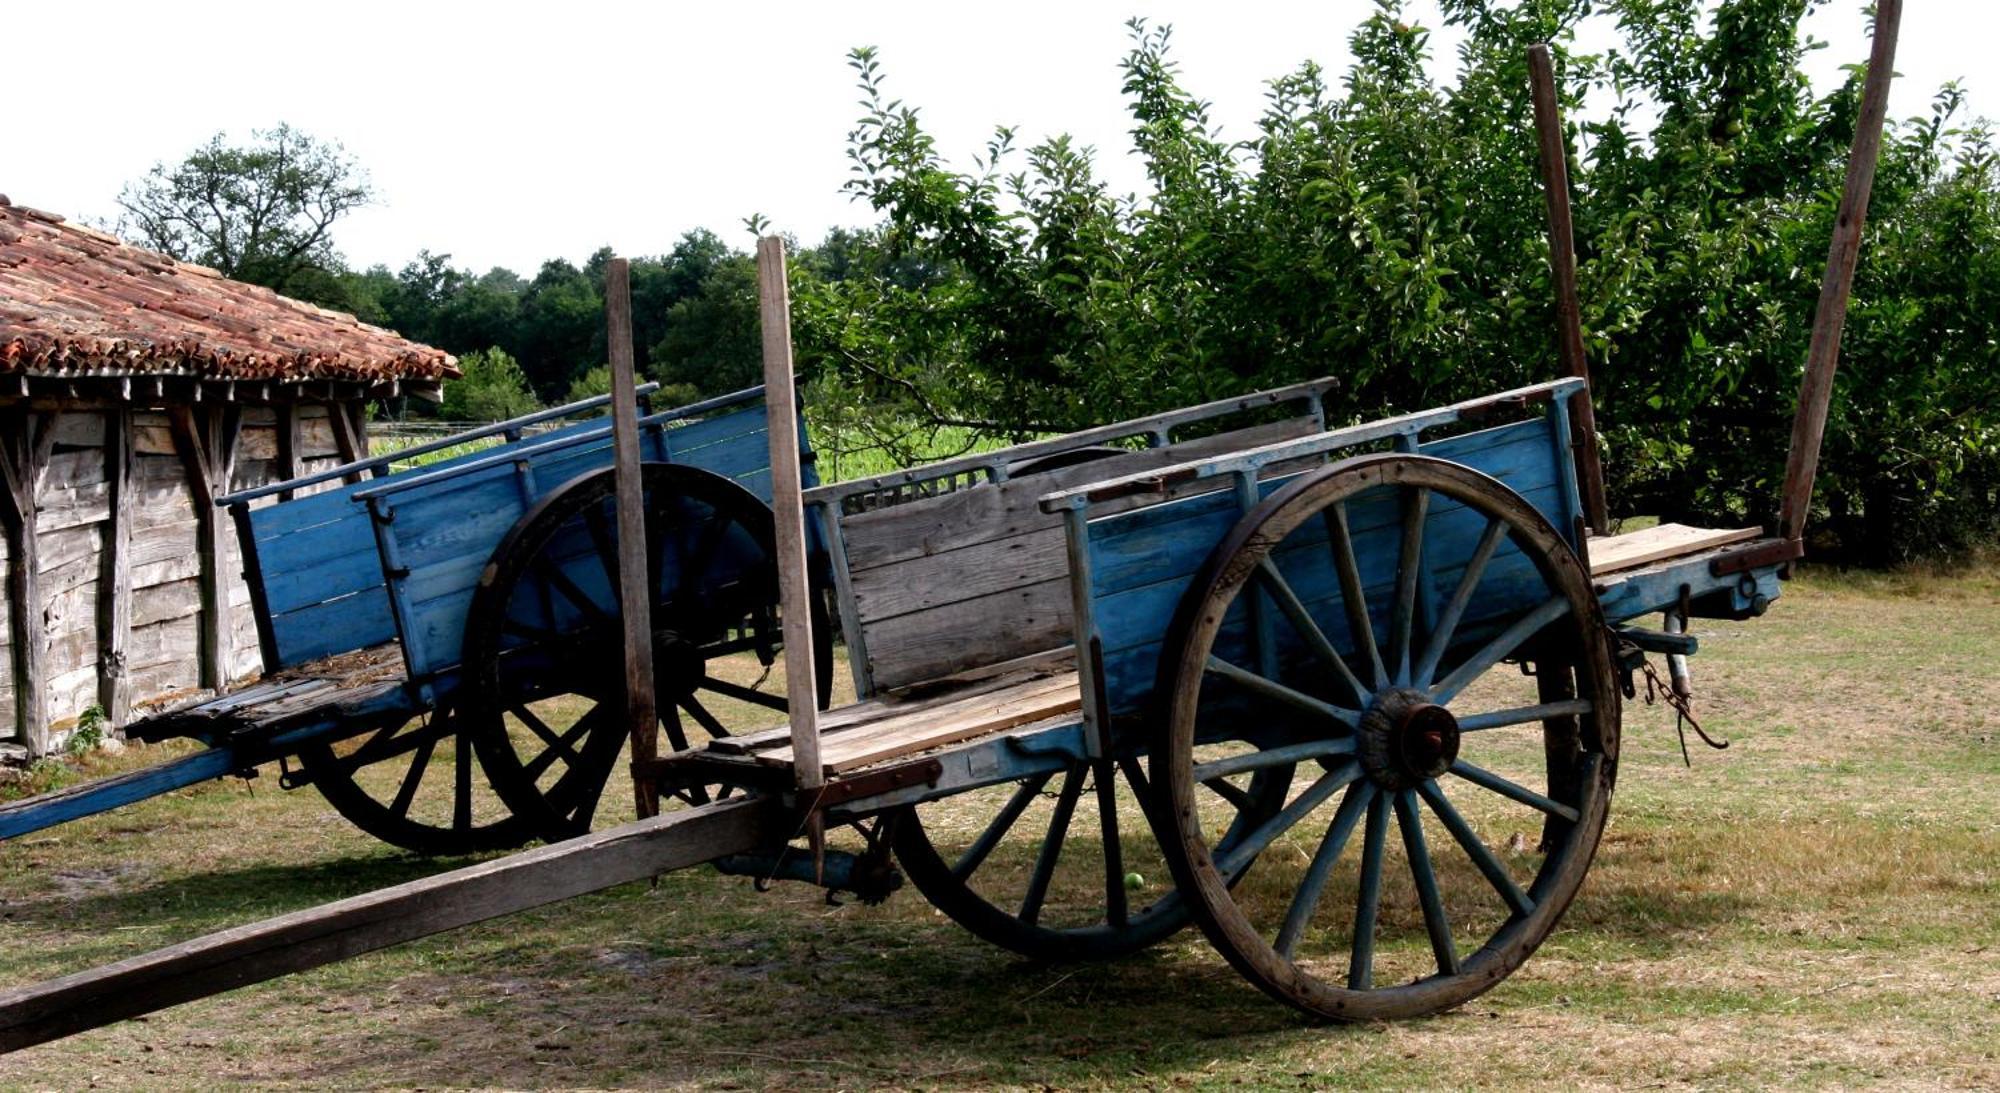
{"x": 78, "y": 302}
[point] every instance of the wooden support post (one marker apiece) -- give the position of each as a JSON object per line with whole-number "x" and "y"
{"x": 774, "y": 304}
{"x": 206, "y": 440}
{"x": 26, "y": 439}
{"x": 1823, "y": 354}
{"x": 635, "y": 599}
{"x": 322, "y": 935}
{"x": 1562, "y": 264}
{"x": 289, "y": 464}
{"x": 114, "y": 576}
{"x": 350, "y": 437}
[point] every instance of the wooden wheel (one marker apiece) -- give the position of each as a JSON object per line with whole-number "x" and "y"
{"x": 1362, "y": 619}
{"x": 415, "y": 783}
{"x": 544, "y": 655}
{"x": 1061, "y": 865}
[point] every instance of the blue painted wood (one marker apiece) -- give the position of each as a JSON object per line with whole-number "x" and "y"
{"x": 89, "y": 798}
{"x": 323, "y": 567}
{"x": 1142, "y": 561}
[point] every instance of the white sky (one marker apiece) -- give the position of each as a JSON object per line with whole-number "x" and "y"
{"x": 508, "y": 133}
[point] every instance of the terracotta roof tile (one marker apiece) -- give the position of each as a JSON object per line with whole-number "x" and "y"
{"x": 77, "y": 302}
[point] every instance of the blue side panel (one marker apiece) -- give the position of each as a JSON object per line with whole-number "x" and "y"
{"x": 1143, "y": 561}
{"x": 322, "y": 566}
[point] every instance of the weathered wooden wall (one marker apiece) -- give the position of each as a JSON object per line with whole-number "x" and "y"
{"x": 118, "y": 597}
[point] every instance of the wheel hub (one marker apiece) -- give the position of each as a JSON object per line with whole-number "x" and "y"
{"x": 678, "y": 666}
{"x": 1406, "y": 739}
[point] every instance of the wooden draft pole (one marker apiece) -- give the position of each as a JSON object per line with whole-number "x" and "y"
{"x": 774, "y": 303}
{"x": 1823, "y": 354}
{"x": 242, "y": 955}
{"x": 1562, "y": 263}
{"x": 635, "y": 601}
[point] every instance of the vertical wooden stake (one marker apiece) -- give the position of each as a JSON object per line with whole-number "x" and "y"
{"x": 1816, "y": 387}
{"x": 634, "y": 594}
{"x": 114, "y": 582}
{"x": 1562, "y": 263}
{"x": 774, "y": 304}
{"x": 26, "y": 439}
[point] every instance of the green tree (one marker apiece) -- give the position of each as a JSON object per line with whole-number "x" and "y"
{"x": 1389, "y": 230}
{"x": 493, "y": 388}
{"x": 262, "y": 212}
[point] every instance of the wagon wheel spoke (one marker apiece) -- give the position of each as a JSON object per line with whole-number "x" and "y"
{"x": 1266, "y": 758}
{"x": 581, "y": 600}
{"x": 1294, "y": 610}
{"x": 406, "y": 793}
{"x": 1468, "y": 840}
{"x": 1525, "y": 715}
{"x": 1306, "y": 900}
{"x": 1252, "y": 844}
{"x": 1115, "y": 910}
{"x": 1368, "y": 897}
{"x": 1351, "y": 596}
{"x": 1410, "y": 819}
{"x": 1045, "y": 861}
{"x": 670, "y": 720}
{"x": 1409, "y": 571}
{"x": 527, "y": 716}
{"x": 1498, "y": 649}
{"x": 461, "y": 783}
{"x": 715, "y": 729}
{"x": 1468, "y": 582}
{"x": 1271, "y": 688}
{"x": 744, "y": 694}
{"x": 519, "y": 629}
{"x": 975, "y": 855}
{"x": 1486, "y": 779}
{"x": 540, "y": 764}
{"x": 386, "y": 744}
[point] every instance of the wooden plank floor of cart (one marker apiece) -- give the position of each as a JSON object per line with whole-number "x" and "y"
{"x": 918, "y": 719}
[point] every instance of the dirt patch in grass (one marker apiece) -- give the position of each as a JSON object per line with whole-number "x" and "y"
{"x": 1819, "y": 905}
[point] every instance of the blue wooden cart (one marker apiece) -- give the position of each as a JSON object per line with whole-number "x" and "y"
{"x": 1348, "y": 697}
{"x": 362, "y": 580}
{"x": 1197, "y": 667}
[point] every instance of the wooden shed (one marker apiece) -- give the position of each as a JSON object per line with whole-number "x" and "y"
{"x": 133, "y": 389}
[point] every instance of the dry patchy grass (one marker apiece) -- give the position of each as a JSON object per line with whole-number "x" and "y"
{"x": 1819, "y": 905}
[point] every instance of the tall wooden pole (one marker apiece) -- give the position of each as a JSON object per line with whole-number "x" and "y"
{"x": 775, "y": 306}
{"x": 1562, "y": 263}
{"x": 1816, "y": 388}
{"x": 634, "y": 600}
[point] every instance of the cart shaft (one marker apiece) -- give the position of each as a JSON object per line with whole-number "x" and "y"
{"x": 322, "y": 935}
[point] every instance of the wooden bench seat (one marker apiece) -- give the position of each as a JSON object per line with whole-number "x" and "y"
{"x": 1613, "y": 553}
{"x": 892, "y": 727}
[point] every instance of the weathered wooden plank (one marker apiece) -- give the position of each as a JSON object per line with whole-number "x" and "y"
{"x": 925, "y": 645}
{"x": 964, "y": 573}
{"x": 1612, "y": 553}
{"x": 64, "y": 546}
{"x": 152, "y": 433}
{"x": 169, "y": 642}
{"x": 26, "y": 441}
{"x": 1830, "y": 316}
{"x": 316, "y": 439}
{"x": 774, "y": 310}
{"x": 936, "y": 725}
{"x": 321, "y": 935}
{"x": 207, "y": 441}
{"x": 161, "y": 602}
{"x": 75, "y": 466}
{"x": 988, "y": 512}
{"x": 79, "y": 429}
{"x": 116, "y": 572}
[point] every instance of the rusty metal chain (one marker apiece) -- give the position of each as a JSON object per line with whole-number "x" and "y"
{"x": 1683, "y": 707}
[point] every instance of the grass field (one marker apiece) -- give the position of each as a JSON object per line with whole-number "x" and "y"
{"x": 1818, "y": 905}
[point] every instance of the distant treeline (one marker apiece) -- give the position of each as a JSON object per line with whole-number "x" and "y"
{"x": 1383, "y": 229}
